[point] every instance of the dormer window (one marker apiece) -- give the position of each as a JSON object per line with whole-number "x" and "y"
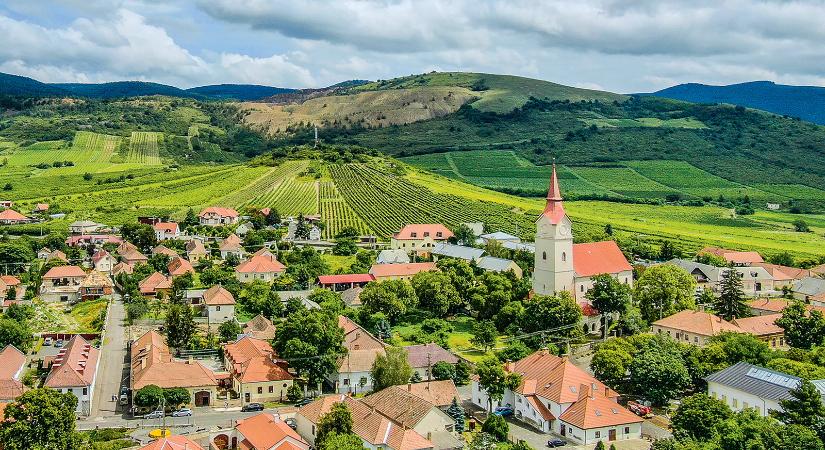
{"x": 426, "y": 233}
{"x": 413, "y": 234}
{"x": 438, "y": 234}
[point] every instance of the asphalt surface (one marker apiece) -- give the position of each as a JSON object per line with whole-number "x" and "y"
{"x": 112, "y": 370}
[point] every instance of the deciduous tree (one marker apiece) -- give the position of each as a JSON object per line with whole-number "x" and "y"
{"x": 391, "y": 369}
{"x": 180, "y": 326}
{"x": 392, "y": 297}
{"x": 484, "y": 334}
{"x": 39, "y": 419}
{"x": 803, "y": 329}
{"x": 337, "y": 421}
{"x": 495, "y": 380}
{"x": 435, "y": 292}
{"x": 698, "y": 415}
{"x": 663, "y": 290}
{"x": 312, "y": 343}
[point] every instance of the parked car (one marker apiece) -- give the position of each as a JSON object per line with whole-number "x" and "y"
{"x": 252, "y": 407}
{"x": 291, "y": 423}
{"x": 123, "y": 399}
{"x": 640, "y": 410}
{"x": 303, "y": 402}
{"x": 553, "y": 443}
{"x": 183, "y": 412}
{"x": 503, "y": 411}
{"x": 154, "y": 415}
{"x": 124, "y": 390}
{"x": 58, "y": 343}
{"x": 48, "y": 341}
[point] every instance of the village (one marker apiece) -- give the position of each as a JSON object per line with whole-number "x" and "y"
{"x": 233, "y": 330}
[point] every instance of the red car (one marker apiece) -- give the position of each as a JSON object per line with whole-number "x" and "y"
{"x": 640, "y": 410}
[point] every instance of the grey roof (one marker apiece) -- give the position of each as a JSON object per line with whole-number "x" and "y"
{"x": 494, "y": 264}
{"x": 500, "y": 236}
{"x": 195, "y": 293}
{"x": 810, "y": 286}
{"x": 457, "y": 251}
{"x": 711, "y": 272}
{"x": 303, "y": 295}
{"x": 352, "y": 296}
{"x": 519, "y": 246}
{"x": 755, "y": 380}
{"x": 393, "y": 256}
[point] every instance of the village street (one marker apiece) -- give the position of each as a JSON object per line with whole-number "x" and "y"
{"x": 112, "y": 368}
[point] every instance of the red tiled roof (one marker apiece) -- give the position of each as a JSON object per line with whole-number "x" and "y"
{"x": 784, "y": 273}
{"x": 260, "y": 264}
{"x": 734, "y": 256}
{"x": 172, "y": 443}
{"x": 74, "y": 366}
{"x": 597, "y": 412}
{"x": 10, "y": 214}
{"x": 154, "y": 282}
{"x": 594, "y": 258}
{"x": 420, "y": 229}
{"x": 12, "y": 362}
{"x": 400, "y": 269}
{"x": 760, "y": 325}
{"x": 423, "y": 355}
{"x": 166, "y": 227}
{"x": 10, "y": 280}
{"x": 264, "y": 432}
{"x": 65, "y": 272}
{"x": 179, "y": 266}
{"x": 152, "y": 363}
{"x": 554, "y": 209}
{"x": 223, "y": 212}
{"x": 439, "y": 393}
{"x": 217, "y": 295}
{"x": 552, "y": 377}
{"x": 697, "y": 322}
{"x": 540, "y": 407}
{"x": 346, "y": 278}
{"x": 41, "y": 207}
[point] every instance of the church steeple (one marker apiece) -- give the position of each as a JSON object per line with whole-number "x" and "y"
{"x": 554, "y": 209}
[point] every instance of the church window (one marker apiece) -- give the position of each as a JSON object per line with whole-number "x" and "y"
{"x": 563, "y": 256}
{"x": 544, "y": 256}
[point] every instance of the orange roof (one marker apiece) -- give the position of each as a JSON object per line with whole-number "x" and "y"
{"x": 12, "y": 362}
{"x": 400, "y": 269}
{"x": 359, "y": 360}
{"x": 346, "y": 278}
{"x": 697, "y": 322}
{"x": 422, "y": 230}
{"x": 597, "y": 411}
{"x": 820, "y": 269}
{"x": 260, "y": 327}
{"x": 260, "y": 264}
{"x": 261, "y": 369}
{"x": 161, "y": 249}
{"x": 10, "y": 214}
{"x": 196, "y": 247}
{"x": 41, "y": 207}
{"x": 540, "y": 407}
{"x": 264, "y": 432}
{"x": 217, "y": 295}
{"x": 96, "y": 279}
{"x": 760, "y": 325}
{"x": 231, "y": 243}
{"x": 64, "y": 272}
{"x": 769, "y": 304}
{"x": 554, "y": 209}
{"x": 734, "y": 256}
{"x": 10, "y": 280}
{"x": 396, "y": 403}
{"x": 439, "y": 393}
{"x": 594, "y": 258}
{"x": 247, "y": 348}
{"x": 220, "y": 211}
{"x": 179, "y": 266}
{"x": 74, "y": 365}
{"x": 152, "y": 363}
{"x": 133, "y": 255}
{"x": 155, "y": 282}
{"x": 784, "y": 273}
{"x": 166, "y": 227}
{"x": 172, "y": 443}
{"x": 356, "y": 337}
{"x": 553, "y": 378}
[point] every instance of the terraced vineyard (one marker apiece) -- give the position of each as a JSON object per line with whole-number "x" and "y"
{"x": 143, "y": 147}
{"x": 336, "y": 212}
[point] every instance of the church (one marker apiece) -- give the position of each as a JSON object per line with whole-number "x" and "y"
{"x": 560, "y": 264}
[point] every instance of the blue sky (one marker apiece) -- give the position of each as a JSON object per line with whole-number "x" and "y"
{"x": 636, "y": 46}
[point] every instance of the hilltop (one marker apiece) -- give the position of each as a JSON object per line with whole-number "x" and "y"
{"x": 804, "y": 102}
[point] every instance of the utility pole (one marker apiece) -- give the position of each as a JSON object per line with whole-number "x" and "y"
{"x": 429, "y": 367}
{"x": 316, "y": 137}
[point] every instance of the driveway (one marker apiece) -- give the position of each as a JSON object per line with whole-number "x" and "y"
{"x": 112, "y": 370}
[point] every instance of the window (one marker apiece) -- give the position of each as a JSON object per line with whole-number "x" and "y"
{"x": 735, "y": 402}
{"x": 695, "y": 339}
{"x": 745, "y": 405}
{"x": 218, "y": 308}
{"x": 260, "y": 390}
{"x": 413, "y": 234}
{"x": 598, "y": 434}
{"x": 346, "y": 381}
{"x": 563, "y": 256}
{"x": 85, "y": 391}
{"x": 626, "y": 430}
{"x": 426, "y": 234}
{"x": 313, "y": 430}
{"x": 439, "y": 234}
{"x": 581, "y": 287}
{"x": 271, "y": 389}
{"x": 544, "y": 256}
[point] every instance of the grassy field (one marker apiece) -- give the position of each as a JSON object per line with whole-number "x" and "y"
{"x": 458, "y": 340}
{"x": 53, "y": 317}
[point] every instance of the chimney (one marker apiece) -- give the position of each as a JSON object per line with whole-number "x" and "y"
{"x": 592, "y": 390}
{"x": 584, "y": 391}
{"x": 608, "y": 392}
{"x": 409, "y": 387}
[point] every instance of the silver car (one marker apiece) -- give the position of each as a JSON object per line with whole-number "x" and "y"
{"x": 183, "y": 412}
{"x": 154, "y": 415}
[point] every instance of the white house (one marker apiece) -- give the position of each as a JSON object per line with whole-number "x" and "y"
{"x": 84, "y": 227}
{"x": 556, "y": 396}
{"x": 353, "y": 372}
{"x": 74, "y": 370}
{"x": 218, "y": 216}
{"x": 218, "y": 304}
{"x": 420, "y": 237}
{"x": 104, "y": 261}
{"x": 166, "y": 230}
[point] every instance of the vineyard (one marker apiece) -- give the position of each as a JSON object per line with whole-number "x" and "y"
{"x": 143, "y": 147}
{"x": 336, "y": 213}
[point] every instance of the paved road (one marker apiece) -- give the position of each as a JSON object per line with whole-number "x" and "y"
{"x": 112, "y": 368}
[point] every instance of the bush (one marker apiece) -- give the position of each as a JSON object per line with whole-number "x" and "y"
{"x": 443, "y": 370}
{"x": 294, "y": 392}
{"x": 496, "y": 427}
{"x": 148, "y": 396}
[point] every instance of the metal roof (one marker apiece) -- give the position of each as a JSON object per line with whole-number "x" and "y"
{"x": 810, "y": 286}
{"x": 458, "y": 251}
{"x": 494, "y": 264}
{"x": 759, "y": 381}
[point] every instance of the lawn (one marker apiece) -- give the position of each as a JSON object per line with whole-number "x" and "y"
{"x": 338, "y": 263}
{"x": 56, "y": 317}
{"x": 458, "y": 340}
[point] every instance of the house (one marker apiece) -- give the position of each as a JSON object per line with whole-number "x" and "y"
{"x": 218, "y": 304}
{"x": 375, "y": 430}
{"x": 166, "y": 230}
{"x": 172, "y": 443}
{"x": 122, "y": 267}
{"x": 260, "y": 327}
{"x": 103, "y": 261}
{"x": 818, "y": 270}
{"x": 263, "y": 431}
{"x": 557, "y": 396}
{"x": 155, "y": 284}
{"x": 783, "y": 275}
{"x": 561, "y": 265}
{"x": 231, "y": 246}
{"x": 810, "y": 290}
{"x": 84, "y": 227}
{"x": 8, "y": 282}
{"x": 92, "y": 239}
{"x": 388, "y": 256}
{"x": 383, "y": 272}
{"x": 771, "y": 306}
{"x": 152, "y": 363}
{"x": 12, "y": 365}
{"x": 43, "y": 253}
{"x": 756, "y": 280}
{"x": 353, "y": 372}
{"x": 195, "y": 250}
{"x": 439, "y": 393}
{"x": 62, "y": 283}
{"x": 257, "y": 376}
{"x": 734, "y": 257}
{"x": 314, "y": 233}
{"x": 259, "y": 267}
{"x": 218, "y": 216}
{"x": 445, "y": 250}
{"x": 492, "y": 264}
{"x": 161, "y": 249}
{"x": 40, "y": 208}
{"x": 420, "y": 238}
{"x": 74, "y": 371}
{"x": 498, "y": 236}
{"x": 244, "y": 228}
{"x": 343, "y": 282}
{"x": 95, "y": 285}
{"x": 6, "y": 203}
{"x": 697, "y": 327}
{"x": 411, "y": 411}
{"x": 352, "y": 297}
{"x": 12, "y": 217}
{"x": 178, "y": 266}
{"x": 422, "y": 358}
{"x": 56, "y": 254}
{"x": 134, "y": 257}
{"x": 746, "y": 386}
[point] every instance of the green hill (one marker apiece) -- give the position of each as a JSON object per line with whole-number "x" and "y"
{"x": 23, "y": 86}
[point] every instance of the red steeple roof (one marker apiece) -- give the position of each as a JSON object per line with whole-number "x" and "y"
{"x": 554, "y": 210}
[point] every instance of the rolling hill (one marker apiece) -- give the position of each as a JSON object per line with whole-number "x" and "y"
{"x": 804, "y": 102}
{"x": 119, "y": 89}
{"x": 26, "y": 87}
{"x": 244, "y": 92}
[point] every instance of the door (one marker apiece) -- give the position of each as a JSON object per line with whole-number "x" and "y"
{"x": 563, "y": 430}
{"x": 246, "y": 397}
{"x": 611, "y": 435}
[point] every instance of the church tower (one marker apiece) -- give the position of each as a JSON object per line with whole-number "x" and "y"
{"x": 554, "y": 245}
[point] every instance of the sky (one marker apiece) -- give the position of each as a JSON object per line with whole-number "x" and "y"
{"x": 619, "y": 46}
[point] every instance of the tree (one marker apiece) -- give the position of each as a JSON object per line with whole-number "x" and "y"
{"x": 659, "y": 373}
{"x": 443, "y": 370}
{"x": 19, "y": 312}
{"x": 338, "y": 420}
{"x": 496, "y": 426}
{"x": 494, "y": 380}
{"x": 456, "y": 412}
{"x": 664, "y": 290}
{"x": 229, "y": 330}
{"x": 191, "y": 219}
{"x": 514, "y": 351}
{"x": 15, "y": 255}
{"x": 140, "y": 234}
{"x": 697, "y": 416}
{"x": 149, "y": 396}
{"x": 731, "y": 301}
{"x": 416, "y": 377}
{"x": 180, "y": 326}
{"x": 392, "y": 297}
{"x": 801, "y": 226}
{"x": 482, "y": 441}
{"x": 608, "y": 295}
{"x": 464, "y": 235}
{"x": 462, "y": 373}
{"x": 39, "y": 419}
{"x": 559, "y": 312}
{"x": 435, "y": 292}
{"x": 799, "y": 437}
{"x": 176, "y": 396}
{"x": 747, "y": 430}
{"x": 610, "y": 366}
{"x": 391, "y": 369}
{"x": 336, "y": 441}
{"x": 294, "y": 392}
{"x": 803, "y": 408}
{"x": 484, "y": 334}
{"x": 667, "y": 251}
{"x": 600, "y": 446}
{"x": 312, "y": 343}
{"x": 15, "y": 333}
{"x": 782, "y": 259}
{"x": 491, "y": 292}
{"x": 802, "y": 329}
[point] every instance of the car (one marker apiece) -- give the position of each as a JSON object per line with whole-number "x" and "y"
{"x": 252, "y": 407}
{"x": 183, "y": 412}
{"x": 291, "y": 423}
{"x": 123, "y": 399}
{"x": 553, "y": 443}
{"x": 503, "y": 411}
{"x": 303, "y": 402}
{"x": 58, "y": 343}
{"x": 154, "y": 415}
{"x": 124, "y": 390}
{"x": 48, "y": 341}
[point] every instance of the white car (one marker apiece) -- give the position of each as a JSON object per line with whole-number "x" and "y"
{"x": 183, "y": 412}
{"x": 154, "y": 415}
